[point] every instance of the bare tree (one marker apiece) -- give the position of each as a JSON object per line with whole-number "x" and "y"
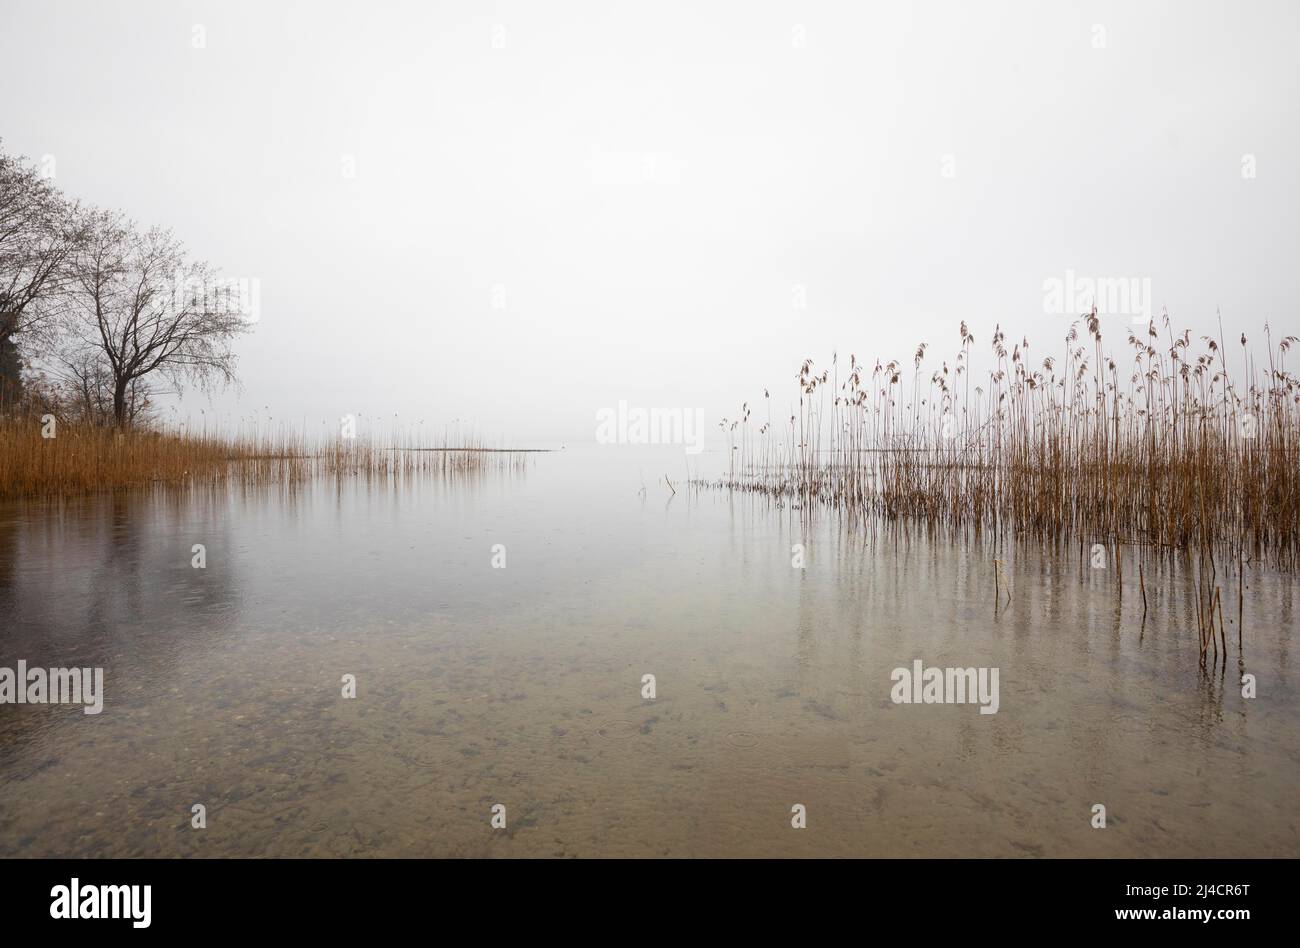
{"x": 137, "y": 300}
{"x": 80, "y": 389}
{"x": 38, "y": 234}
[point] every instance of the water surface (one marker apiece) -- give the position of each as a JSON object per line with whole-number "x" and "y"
{"x": 522, "y": 686}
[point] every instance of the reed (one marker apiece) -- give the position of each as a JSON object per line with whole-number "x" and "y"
{"x": 87, "y": 458}
{"x": 1162, "y": 446}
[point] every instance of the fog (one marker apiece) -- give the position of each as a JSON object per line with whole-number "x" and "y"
{"x": 518, "y": 214}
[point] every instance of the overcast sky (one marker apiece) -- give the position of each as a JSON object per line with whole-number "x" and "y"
{"x": 519, "y": 213}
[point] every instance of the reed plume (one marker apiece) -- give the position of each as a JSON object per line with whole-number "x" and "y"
{"x": 1164, "y": 447}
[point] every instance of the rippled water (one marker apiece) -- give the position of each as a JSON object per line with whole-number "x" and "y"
{"x": 522, "y": 686}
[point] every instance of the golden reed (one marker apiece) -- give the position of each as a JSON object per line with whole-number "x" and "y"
{"x": 84, "y": 458}
{"x": 1166, "y": 448}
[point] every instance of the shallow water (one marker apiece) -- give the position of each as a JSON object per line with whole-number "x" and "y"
{"x": 522, "y": 686}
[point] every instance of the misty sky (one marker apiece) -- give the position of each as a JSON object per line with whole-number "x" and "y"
{"x": 557, "y": 206}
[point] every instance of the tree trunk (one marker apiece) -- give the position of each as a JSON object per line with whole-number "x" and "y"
{"x": 11, "y": 378}
{"x": 119, "y": 403}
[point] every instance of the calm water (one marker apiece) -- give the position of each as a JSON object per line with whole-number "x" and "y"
{"x": 522, "y": 686}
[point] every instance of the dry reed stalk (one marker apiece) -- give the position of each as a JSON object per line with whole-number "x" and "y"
{"x": 80, "y": 459}
{"x": 1241, "y": 586}
{"x": 1171, "y": 452}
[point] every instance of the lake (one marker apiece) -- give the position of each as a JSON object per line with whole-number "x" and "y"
{"x": 499, "y": 629}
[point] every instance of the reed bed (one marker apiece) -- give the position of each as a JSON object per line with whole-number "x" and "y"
{"x": 87, "y": 458}
{"x": 1162, "y": 446}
